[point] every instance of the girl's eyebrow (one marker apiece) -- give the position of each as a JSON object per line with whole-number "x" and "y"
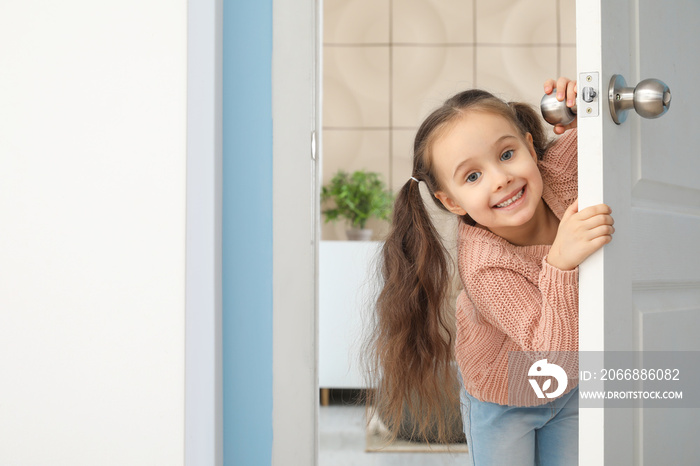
{"x": 466, "y": 161}
{"x": 460, "y": 167}
{"x": 505, "y": 136}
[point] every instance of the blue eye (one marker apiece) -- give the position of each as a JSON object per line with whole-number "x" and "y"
{"x": 473, "y": 177}
{"x": 507, "y": 155}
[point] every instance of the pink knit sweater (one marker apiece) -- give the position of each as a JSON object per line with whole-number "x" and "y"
{"x": 515, "y": 301}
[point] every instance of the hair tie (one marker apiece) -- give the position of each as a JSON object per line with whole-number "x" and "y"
{"x": 415, "y": 179}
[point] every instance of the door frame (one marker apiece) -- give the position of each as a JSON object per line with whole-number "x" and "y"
{"x": 591, "y": 271}
{"x": 203, "y": 307}
{"x": 599, "y": 291}
{"x": 296, "y": 115}
{"x": 296, "y": 100}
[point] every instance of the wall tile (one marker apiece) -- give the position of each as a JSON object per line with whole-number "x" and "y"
{"x": 516, "y": 22}
{"x": 356, "y": 21}
{"x": 402, "y": 157}
{"x": 423, "y": 77}
{"x": 355, "y": 150}
{"x": 516, "y": 73}
{"x": 568, "y": 62}
{"x": 567, "y": 21}
{"x": 356, "y": 86}
{"x": 433, "y": 21}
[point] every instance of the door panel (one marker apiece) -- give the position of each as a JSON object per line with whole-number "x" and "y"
{"x": 665, "y": 242}
{"x": 667, "y": 50}
{"x": 669, "y": 446}
{"x": 642, "y": 292}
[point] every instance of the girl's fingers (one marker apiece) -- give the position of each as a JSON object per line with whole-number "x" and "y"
{"x": 549, "y": 85}
{"x": 562, "y": 83}
{"x": 566, "y": 88}
{"x": 592, "y": 211}
{"x": 602, "y": 230}
{"x": 571, "y": 94}
{"x": 601, "y": 241}
{"x": 597, "y": 221}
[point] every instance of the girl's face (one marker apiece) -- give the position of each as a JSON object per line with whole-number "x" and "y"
{"x": 489, "y": 171}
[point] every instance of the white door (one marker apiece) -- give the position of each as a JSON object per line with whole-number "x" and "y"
{"x": 642, "y": 292}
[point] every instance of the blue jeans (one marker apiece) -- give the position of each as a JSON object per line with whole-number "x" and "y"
{"x": 513, "y": 435}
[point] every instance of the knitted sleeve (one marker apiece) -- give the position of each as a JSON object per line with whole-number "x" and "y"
{"x": 559, "y": 168}
{"x": 539, "y": 316}
{"x": 562, "y": 153}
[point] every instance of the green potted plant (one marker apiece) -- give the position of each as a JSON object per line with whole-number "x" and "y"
{"x": 357, "y": 198}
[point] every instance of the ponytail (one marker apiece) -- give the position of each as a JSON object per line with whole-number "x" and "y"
{"x": 412, "y": 345}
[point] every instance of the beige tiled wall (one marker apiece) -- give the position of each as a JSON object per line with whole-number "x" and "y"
{"x": 388, "y": 63}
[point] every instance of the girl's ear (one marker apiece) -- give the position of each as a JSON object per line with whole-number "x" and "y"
{"x": 531, "y": 146}
{"x": 449, "y": 204}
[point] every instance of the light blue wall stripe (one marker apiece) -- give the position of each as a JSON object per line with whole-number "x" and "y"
{"x": 247, "y": 232}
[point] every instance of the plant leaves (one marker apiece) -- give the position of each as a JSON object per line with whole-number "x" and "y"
{"x": 357, "y": 197}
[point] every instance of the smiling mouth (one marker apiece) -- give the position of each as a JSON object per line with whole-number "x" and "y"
{"x": 511, "y": 200}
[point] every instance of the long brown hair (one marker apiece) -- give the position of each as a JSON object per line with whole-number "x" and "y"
{"x": 408, "y": 356}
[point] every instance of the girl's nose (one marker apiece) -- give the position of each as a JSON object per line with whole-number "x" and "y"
{"x": 501, "y": 180}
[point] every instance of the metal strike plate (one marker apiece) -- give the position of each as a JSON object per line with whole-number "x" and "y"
{"x": 588, "y": 101}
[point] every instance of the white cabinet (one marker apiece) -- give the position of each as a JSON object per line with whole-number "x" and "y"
{"x": 347, "y": 289}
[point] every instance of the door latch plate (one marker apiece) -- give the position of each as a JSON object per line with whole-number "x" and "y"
{"x": 588, "y": 86}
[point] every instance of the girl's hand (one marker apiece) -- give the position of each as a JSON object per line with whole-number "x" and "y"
{"x": 565, "y": 88}
{"x": 580, "y": 234}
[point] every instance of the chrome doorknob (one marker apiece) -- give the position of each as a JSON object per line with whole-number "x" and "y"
{"x": 650, "y": 99}
{"x": 555, "y": 112}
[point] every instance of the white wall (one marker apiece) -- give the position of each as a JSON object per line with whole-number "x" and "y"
{"x": 92, "y": 231}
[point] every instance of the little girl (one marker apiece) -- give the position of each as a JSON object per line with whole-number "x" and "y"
{"x": 521, "y": 238}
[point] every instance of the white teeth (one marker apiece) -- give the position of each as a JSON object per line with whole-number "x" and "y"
{"x": 511, "y": 200}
